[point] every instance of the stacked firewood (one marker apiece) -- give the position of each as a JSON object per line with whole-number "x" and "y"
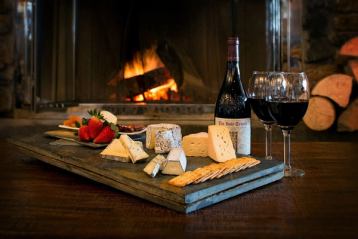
{"x": 334, "y": 101}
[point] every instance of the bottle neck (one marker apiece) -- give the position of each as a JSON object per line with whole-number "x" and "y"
{"x": 233, "y": 52}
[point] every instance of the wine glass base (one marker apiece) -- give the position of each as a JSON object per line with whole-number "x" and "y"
{"x": 269, "y": 157}
{"x": 294, "y": 172}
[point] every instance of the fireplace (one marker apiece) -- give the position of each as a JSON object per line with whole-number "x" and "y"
{"x": 140, "y": 52}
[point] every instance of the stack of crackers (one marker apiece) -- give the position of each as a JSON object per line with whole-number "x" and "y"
{"x": 214, "y": 170}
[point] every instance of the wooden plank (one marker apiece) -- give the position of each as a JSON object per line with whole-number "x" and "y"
{"x": 130, "y": 178}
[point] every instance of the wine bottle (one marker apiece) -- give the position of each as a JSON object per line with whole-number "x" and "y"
{"x": 232, "y": 107}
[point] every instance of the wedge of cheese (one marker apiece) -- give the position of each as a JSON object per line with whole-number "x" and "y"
{"x": 155, "y": 165}
{"x": 220, "y": 147}
{"x": 116, "y": 151}
{"x": 152, "y": 132}
{"x": 176, "y": 162}
{"x": 196, "y": 145}
{"x": 135, "y": 152}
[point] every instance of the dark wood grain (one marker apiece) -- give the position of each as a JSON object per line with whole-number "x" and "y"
{"x": 39, "y": 200}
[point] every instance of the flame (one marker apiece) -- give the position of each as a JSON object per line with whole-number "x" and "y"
{"x": 142, "y": 63}
{"x": 158, "y": 93}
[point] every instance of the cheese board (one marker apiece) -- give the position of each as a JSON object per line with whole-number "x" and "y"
{"x": 130, "y": 177}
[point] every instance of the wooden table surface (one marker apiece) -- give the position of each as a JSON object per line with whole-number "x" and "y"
{"x": 42, "y": 201}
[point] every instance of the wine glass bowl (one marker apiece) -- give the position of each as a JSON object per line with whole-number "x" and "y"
{"x": 287, "y": 97}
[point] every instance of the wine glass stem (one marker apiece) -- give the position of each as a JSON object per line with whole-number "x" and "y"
{"x": 268, "y": 149}
{"x": 287, "y": 148}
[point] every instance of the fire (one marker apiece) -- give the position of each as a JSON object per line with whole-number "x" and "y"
{"x": 158, "y": 93}
{"x": 145, "y": 62}
{"x": 142, "y": 63}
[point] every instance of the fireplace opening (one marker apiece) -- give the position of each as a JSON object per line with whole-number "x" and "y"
{"x": 115, "y": 52}
{"x": 147, "y": 78}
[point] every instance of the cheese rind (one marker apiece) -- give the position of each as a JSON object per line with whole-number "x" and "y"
{"x": 196, "y": 145}
{"x": 220, "y": 147}
{"x": 176, "y": 162}
{"x": 153, "y": 167}
{"x": 153, "y": 129}
{"x": 135, "y": 152}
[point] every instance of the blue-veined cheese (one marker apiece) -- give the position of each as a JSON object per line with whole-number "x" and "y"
{"x": 156, "y": 164}
{"x": 136, "y": 152}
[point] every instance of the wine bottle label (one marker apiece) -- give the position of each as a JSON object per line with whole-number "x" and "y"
{"x": 240, "y": 132}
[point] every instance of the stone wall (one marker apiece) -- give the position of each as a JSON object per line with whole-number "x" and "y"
{"x": 7, "y": 55}
{"x": 327, "y": 24}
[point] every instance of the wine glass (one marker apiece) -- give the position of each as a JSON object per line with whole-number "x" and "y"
{"x": 288, "y": 95}
{"x": 256, "y": 93}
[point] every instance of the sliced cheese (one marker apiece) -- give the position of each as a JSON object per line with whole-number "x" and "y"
{"x": 153, "y": 129}
{"x": 135, "y": 152}
{"x": 196, "y": 145}
{"x": 176, "y": 162}
{"x": 220, "y": 147}
{"x": 116, "y": 151}
{"x": 155, "y": 165}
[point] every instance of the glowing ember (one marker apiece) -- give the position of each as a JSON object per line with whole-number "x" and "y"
{"x": 146, "y": 62}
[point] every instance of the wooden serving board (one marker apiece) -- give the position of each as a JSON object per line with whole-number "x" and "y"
{"x": 130, "y": 177}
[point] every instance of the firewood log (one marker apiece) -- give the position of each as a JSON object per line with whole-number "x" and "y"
{"x": 337, "y": 87}
{"x": 353, "y": 65}
{"x": 350, "y": 48}
{"x": 348, "y": 120}
{"x": 320, "y": 114}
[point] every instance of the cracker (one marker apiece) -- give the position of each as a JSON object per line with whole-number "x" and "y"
{"x": 214, "y": 170}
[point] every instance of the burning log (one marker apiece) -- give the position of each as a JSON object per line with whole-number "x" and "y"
{"x": 149, "y": 80}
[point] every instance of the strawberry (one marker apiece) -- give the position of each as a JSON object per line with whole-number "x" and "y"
{"x": 83, "y": 133}
{"x": 95, "y": 124}
{"x": 105, "y": 136}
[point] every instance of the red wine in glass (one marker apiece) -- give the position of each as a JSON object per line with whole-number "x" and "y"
{"x": 287, "y": 98}
{"x": 257, "y": 93}
{"x": 287, "y": 114}
{"x": 261, "y": 109}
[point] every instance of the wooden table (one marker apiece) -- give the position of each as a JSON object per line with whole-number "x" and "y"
{"x": 42, "y": 201}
